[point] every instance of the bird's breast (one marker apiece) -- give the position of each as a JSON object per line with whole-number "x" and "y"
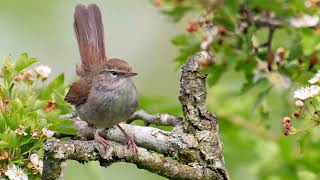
{"x": 106, "y": 108}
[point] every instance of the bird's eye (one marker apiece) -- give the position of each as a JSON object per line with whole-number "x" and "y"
{"x": 114, "y": 74}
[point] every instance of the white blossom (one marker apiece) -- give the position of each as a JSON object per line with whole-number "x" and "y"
{"x": 304, "y": 21}
{"x": 15, "y": 173}
{"x": 304, "y": 93}
{"x": 315, "y": 78}
{"x": 47, "y": 132}
{"x": 279, "y": 81}
{"x": 36, "y": 162}
{"x": 299, "y": 103}
{"x": 43, "y": 71}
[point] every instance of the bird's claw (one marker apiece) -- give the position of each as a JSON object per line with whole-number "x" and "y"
{"x": 131, "y": 144}
{"x": 101, "y": 141}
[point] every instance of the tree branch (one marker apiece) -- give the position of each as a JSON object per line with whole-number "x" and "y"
{"x": 164, "y": 142}
{"x": 160, "y": 119}
{"x": 192, "y": 150}
{"x": 85, "y": 151}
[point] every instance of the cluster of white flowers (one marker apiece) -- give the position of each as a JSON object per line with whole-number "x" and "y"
{"x": 315, "y": 78}
{"x": 15, "y": 173}
{"x": 304, "y": 21}
{"x": 43, "y": 71}
{"x": 36, "y": 162}
{"x": 307, "y": 92}
{"x": 47, "y": 132}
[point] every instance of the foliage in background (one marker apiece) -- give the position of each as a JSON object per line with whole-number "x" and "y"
{"x": 263, "y": 50}
{"x": 30, "y": 106}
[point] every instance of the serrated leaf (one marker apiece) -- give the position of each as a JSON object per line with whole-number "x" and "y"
{"x": 23, "y": 62}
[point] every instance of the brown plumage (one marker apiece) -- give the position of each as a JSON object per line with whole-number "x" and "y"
{"x": 88, "y": 28}
{"x": 89, "y": 33}
{"x": 105, "y": 95}
{"x": 79, "y": 91}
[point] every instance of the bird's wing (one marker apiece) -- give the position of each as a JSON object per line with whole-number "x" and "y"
{"x": 78, "y": 92}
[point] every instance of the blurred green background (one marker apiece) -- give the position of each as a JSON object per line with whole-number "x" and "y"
{"x": 137, "y": 32}
{"x": 134, "y": 31}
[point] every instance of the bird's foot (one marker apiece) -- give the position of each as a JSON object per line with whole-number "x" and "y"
{"x": 129, "y": 141}
{"x": 101, "y": 140}
{"x": 131, "y": 144}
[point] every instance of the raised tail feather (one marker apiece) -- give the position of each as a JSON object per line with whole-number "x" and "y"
{"x": 88, "y": 28}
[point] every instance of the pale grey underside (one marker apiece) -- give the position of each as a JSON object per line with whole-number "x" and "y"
{"x": 106, "y": 107}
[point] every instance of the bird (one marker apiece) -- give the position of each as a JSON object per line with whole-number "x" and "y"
{"x": 105, "y": 94}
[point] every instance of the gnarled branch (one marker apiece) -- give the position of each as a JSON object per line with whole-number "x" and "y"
{"x": 192, "y": 150}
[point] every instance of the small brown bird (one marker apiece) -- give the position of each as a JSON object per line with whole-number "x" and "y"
{"x": 105, "y": 94}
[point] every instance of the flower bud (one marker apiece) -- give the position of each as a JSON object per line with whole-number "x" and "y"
{"x": 286, "y": 132}
{"x": 18, "y": 77}
{"x": 287, "y": 126}
{"x": 286, "y": 119}
{"x": 299, "y": 103}
{"x": 192, "y": 26}
{"x": 157, "y": 2}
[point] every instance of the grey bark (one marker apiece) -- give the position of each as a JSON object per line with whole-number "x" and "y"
{"x": 192, "y": 150}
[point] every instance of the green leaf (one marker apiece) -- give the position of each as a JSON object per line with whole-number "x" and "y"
{"x": 23, "y": 62}
{"x": 61, "y": 104}
{"x": 260, "y": 98}
{"x": 187, "y": 44}
{"x": 9, "y": 137}
{"x": 215, "y": 73}
{"x": 310, "y": 40}
{"x": 55, "y": 84}
{"x": 4, "y": 144}
{"x": 25, "y": 140}
{"x": 7, "y": 70}
{"x": 225, "y": 17}
{"x": 64, "y": 126}
{"x": 176, "y": 13}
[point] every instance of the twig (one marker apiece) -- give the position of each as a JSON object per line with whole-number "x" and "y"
{"x": 160, "y": 119}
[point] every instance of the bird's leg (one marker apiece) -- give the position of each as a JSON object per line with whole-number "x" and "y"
{"x": 100, "y": 139}
{"x": 129, "y": 141}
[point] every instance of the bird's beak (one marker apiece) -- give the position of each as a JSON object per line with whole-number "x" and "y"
{"x": 130, "y": 74}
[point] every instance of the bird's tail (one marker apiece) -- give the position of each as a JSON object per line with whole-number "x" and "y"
{"x": 88, "y": 28}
